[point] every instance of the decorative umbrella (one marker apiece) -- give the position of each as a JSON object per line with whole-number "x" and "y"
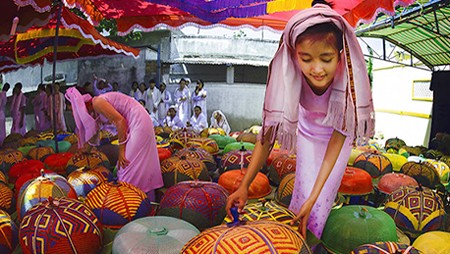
{"x": 147, "y": 15}
{"x": 77, "y": 39}
{"x": 26, "y": 18}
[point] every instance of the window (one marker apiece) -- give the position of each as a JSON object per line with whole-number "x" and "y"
{"x": 421, "y": 90}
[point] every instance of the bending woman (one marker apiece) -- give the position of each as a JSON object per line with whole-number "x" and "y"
{"x": 138, "y": 161}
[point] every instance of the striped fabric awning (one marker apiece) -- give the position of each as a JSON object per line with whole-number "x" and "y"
{"x": 424, "y": 32}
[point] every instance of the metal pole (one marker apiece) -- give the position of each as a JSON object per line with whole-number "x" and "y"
{"x": 158, "y": 64}
{"x": 55, "y": 51}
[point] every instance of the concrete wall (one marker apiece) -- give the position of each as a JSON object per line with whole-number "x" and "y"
{"x": 393, "y": 102}
{"x": 222, "y": 47}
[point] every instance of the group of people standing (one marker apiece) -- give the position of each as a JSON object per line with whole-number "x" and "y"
{"x": 42, "y": 105}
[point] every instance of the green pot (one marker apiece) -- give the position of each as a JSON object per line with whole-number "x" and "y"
{"x": 238, "y": 146}
{"x": 354, "y": 225}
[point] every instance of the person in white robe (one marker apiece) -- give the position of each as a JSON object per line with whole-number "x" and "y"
{"x": 199, "y": 96}
{"x": 164, "y": 103}
{"x": 198, "y": 121}
{"x": 218, "y": 120}
{"x": 182, "y": 98}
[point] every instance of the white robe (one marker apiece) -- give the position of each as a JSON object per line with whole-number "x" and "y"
{"x": 164, "y": 104}
{"x": 154, "y": 96}
{"x": 222, "y": 124}
{"x": 184, "y": 112}
{"x": 199, "y": 100}
{"x": 198, "y": 123}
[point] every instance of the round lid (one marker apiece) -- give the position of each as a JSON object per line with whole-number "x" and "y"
{"x": 156, "y": 234}
{"x": 351, "y": 226}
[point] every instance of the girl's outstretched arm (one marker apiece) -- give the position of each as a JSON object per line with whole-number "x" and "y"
{"x": 332, "y": 153}
{"x": 259, "y": 157}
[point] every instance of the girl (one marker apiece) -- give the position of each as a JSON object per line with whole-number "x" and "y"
{"x": 164, "y": 104}
{"x": 182, "y": 98}
{"x": 172, "y": 120}
{"x": 318, "y": 99}
{"x": 218, "y": 120}
{"x": 39, "y": 105}
{"x": 199, "y": 96}
{"x": 3, "y": 99}
{"x": 18, "y": 104}
{"x": 60, "y": 106}
{"x": 198, "y": 120}
{"x": 138, "y": 161}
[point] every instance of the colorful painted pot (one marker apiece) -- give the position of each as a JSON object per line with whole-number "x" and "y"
{"x": 156, "y": 234}
{"x": 351, "y": 226}
{"x": 206, "y": 144}
{"x": 200, "y": 203}
{"x": 116, "y": 203}
{"x": 40, "y": 153}
{"x": 178, "y": 169}
{"x": 3, "y": 177}
{"x": 385, "y": 248}
{"x": 222, "y": 140}
{"x": 40, "y": 189}
{"x": 394, "y": 143}
{"x": 259, "y": 188}
{"x": 9, "y": 157}
{"x": 200, "y": 154}
{"x": 283, "y": 194}
{"x": 238, "y": 146}
{"x": 237, "y": 159}
{"x": 266, "y": 210}
{"x": 90, "y": 160}
{"x": 424, "y": 173}
{"x": 355, "y": 182}
{"x": 416, "y": 210}
{"x": 250, "y": 237}
{"x": 397, "y": 161}
{"x": 60, "y": 225}
{"x": 375, "y": 164}
{"x": 391, "y": 182}
{"x": 6, "y": 197}
{"x": 57, "y": 162}
{"x": 9, "y": 234}
{"x": 23, "y": 167}
{"x": 85, "y": 179}
{"x": 281, "y": 166}
{"x": 212, "y": 131}
{"x": 435, "y": 242}
{"x": 247, "y": 137}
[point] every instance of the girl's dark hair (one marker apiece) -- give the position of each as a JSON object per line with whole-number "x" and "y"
{"x": 6, "y": 86}
{"x": 328, "y": 32}
{"x": 322, "y": 2}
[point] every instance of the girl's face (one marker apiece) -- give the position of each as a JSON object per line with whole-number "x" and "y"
{"x": 197, "y": 111}
{"x": 318, "y": 61}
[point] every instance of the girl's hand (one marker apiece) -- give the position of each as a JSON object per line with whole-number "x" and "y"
{"x": 239, "y": 198}
{"x": 122, "y": 160}
{"x": 303, "y": 216}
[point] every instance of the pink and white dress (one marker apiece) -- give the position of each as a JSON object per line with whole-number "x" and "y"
{"x": 143, "y": 170}
{"x": 312, "y": 142}
{"x": 19, "y": 101}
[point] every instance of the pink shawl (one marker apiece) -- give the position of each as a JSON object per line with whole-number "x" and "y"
{"x": 86, "y": 124}
{"x": 350, "y": 109}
